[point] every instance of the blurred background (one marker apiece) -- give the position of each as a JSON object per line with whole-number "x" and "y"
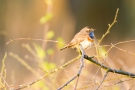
{"x": 60, "y": 20}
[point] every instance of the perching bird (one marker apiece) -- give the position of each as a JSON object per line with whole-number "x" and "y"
{"x": 85, "y": 37}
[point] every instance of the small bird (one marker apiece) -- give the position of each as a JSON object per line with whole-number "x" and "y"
{"x": 85, "y": 37}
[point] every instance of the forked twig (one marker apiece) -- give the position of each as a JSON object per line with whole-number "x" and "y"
{"x": 79, "y": 72}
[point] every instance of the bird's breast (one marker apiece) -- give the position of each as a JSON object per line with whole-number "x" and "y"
{"x": 86, "y": 43}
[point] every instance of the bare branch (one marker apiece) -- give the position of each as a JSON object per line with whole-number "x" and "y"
{"x": 67, "y": 82}
{"x": 18, "y": 87}
{"x": 79, "y": 72}
{"x": 109, "y": 69}
{"x": 110, "y": 25}
{"x": 11, "y": 40}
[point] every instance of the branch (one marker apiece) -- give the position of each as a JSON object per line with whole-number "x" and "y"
{"x": 110, "y": 25}
{"x": 19, "y": 87}
{"x": 109, "y": 69}
{"x": 79, "y": 72}
{"x": 32, "y": 39}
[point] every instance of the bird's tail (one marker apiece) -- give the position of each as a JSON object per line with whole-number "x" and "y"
{"x": 63, "y": 48}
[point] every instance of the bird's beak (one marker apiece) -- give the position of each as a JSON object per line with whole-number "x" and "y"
{"x": 93, "y": 29}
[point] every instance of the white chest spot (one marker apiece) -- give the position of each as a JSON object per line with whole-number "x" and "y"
{"x": 85, "y": 44}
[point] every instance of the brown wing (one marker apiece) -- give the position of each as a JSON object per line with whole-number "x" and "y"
{"x": 79, "y": 37}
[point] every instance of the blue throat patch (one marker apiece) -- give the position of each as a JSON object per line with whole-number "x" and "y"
{"x": 91, "y": 35}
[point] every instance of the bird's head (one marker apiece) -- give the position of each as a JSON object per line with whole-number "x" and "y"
{"x": 88, "y": 31}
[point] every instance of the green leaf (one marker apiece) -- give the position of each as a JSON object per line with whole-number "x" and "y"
{"x": 50, "y": 35}
{"x": 46, "y": 18}
{"x": 40, "y": 52}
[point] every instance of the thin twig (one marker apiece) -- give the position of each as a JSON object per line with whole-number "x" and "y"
{"x": 24, "y": 63}
{"x": 101, "y": 67}
{"x": 5, "y": 82}
{"x": 47, "y": 74}
{"x": 98, "y": 71}
{"x": 118, "y": 82}
{"x": 3, "y": 66}
{"x": 97, "y": 44}
{"x": 87, "y": 58}
{"x": 114, "y": 45}
{"x": 110, "y": 25}
{"x": 76, "y": 83}
{"x": 79, "y": 72}
{"x": 103, "y": 79}
{"x": 121, "y": 81}
{"x": 67, "y": 82}
{"x": 11, "y": 40}
{"x": 96, "y": 74}
{"x": 132, "y": 86}
{"x": 97, "y": 83}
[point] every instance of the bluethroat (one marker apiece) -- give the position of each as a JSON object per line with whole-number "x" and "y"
{"x": 85, "y": 37}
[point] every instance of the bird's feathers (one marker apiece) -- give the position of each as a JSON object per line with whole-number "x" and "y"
{"x": 78, "y": 38}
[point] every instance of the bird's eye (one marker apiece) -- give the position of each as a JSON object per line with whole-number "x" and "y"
{"x": 88, "y": 30}
{"x": 91, "y": 35}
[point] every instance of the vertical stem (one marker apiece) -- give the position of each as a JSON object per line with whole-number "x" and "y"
{"x": 47, "y": 25}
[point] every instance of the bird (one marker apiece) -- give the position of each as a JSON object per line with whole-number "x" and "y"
{"x": 85, "y": 38}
